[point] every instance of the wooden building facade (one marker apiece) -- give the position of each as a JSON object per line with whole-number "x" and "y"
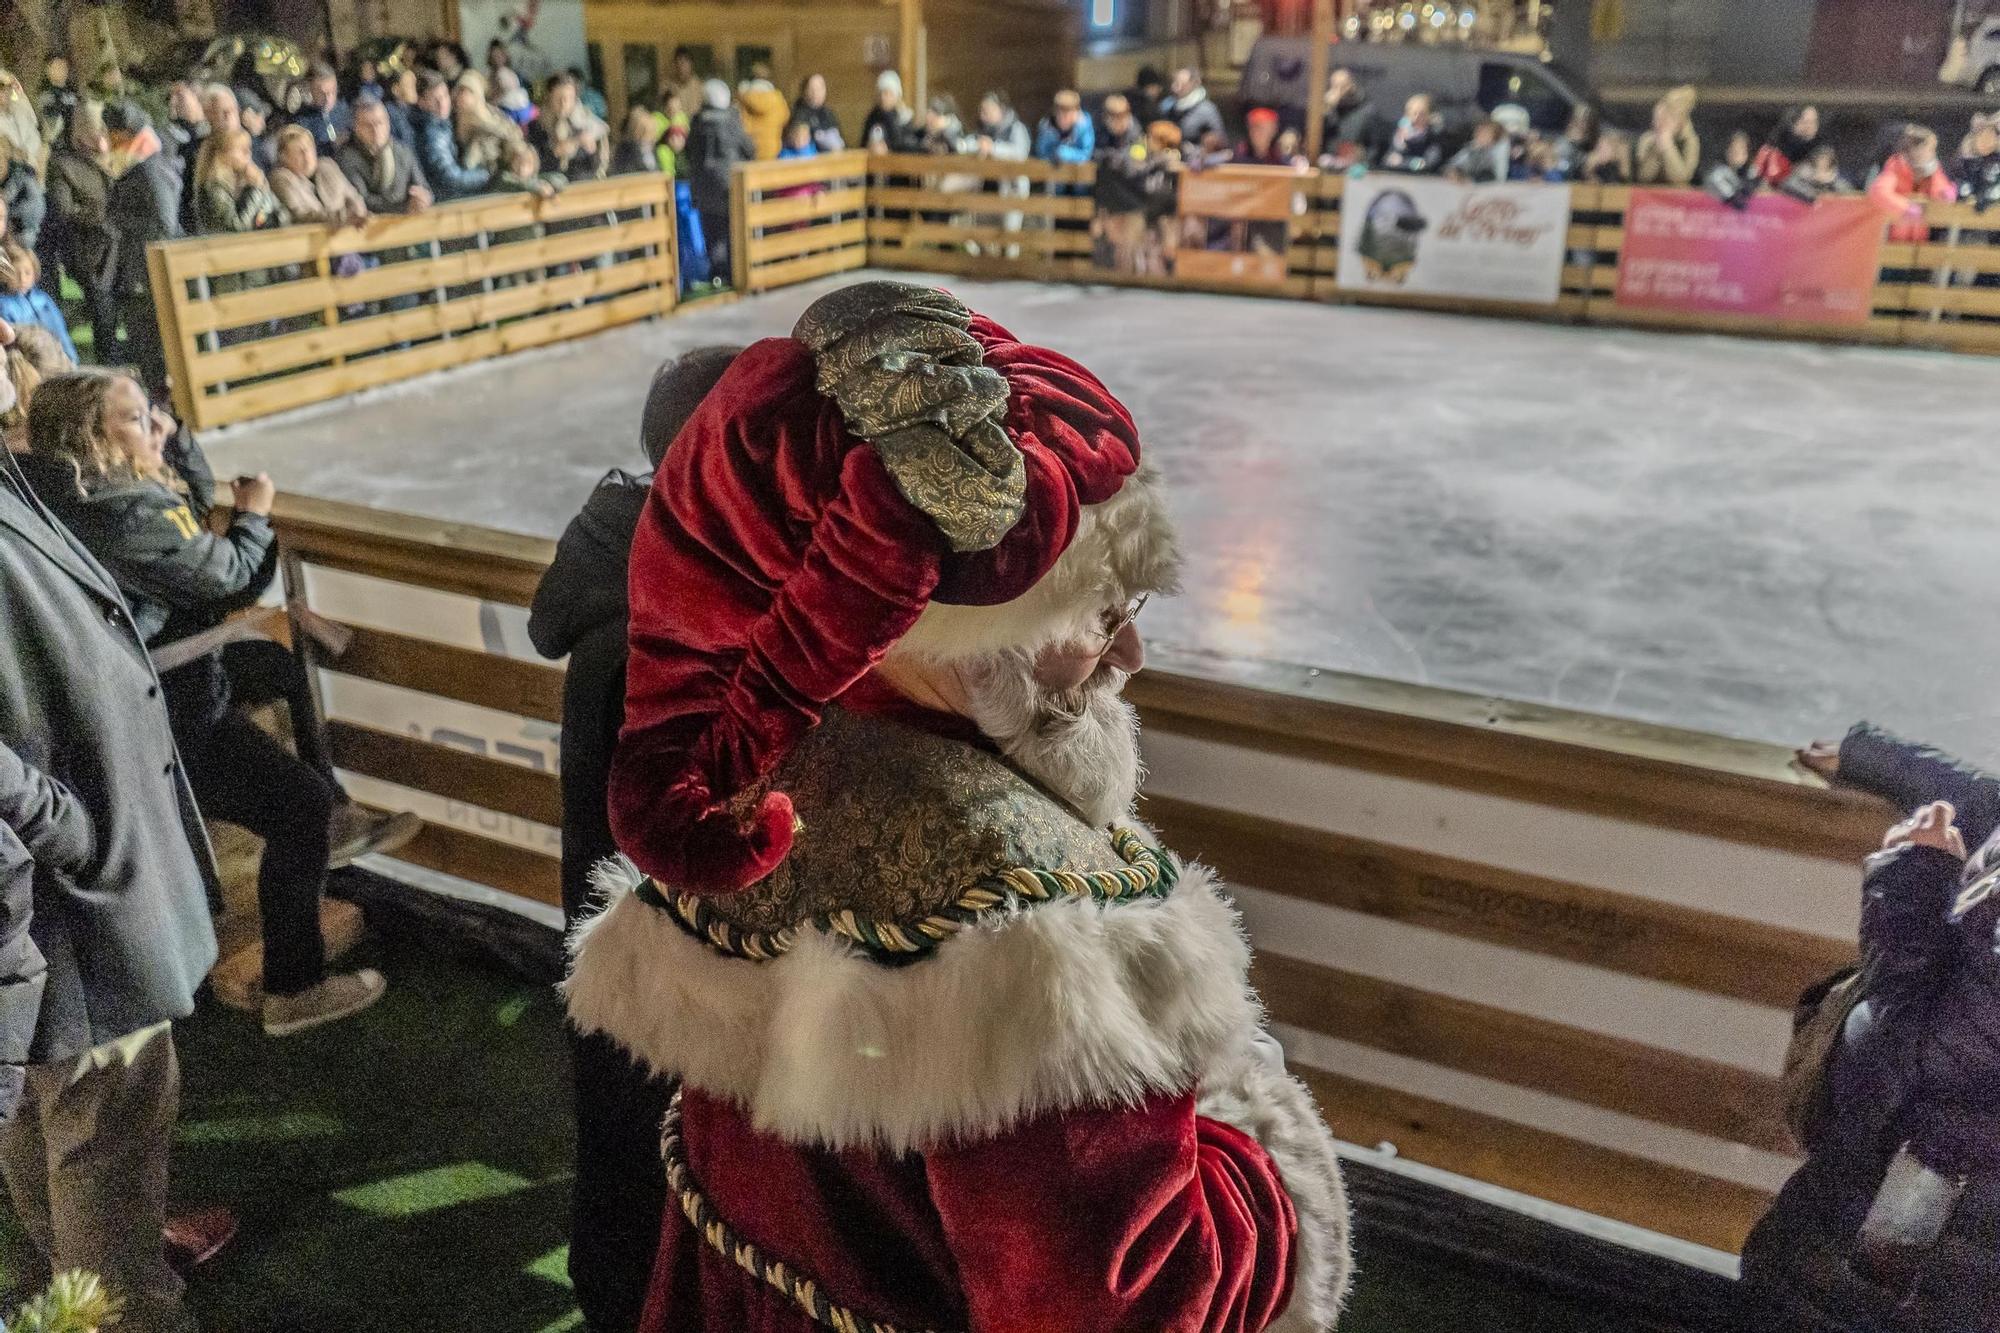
{"x": 1028, "y": 48}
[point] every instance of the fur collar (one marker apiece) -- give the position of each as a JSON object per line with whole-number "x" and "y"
{"x": 1058, "y": 1005}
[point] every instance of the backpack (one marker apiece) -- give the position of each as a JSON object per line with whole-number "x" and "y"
{"x": 1818, "y": 1020}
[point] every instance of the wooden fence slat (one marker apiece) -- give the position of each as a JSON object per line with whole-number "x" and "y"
{"x": 1622, "y": 1186}
{"x": 807, "y": 207}
{"x": 1704, "y": 951}
{"x": 789, "y": 244}
{"x": 921, "y": 164}
{"x": 760, "y": 177}
{"x": 966, "y": 201}
{"x": 315, "y": 386}
{"x": 1712, "y": 785}
{"x": 375, "y": 332}
{"x": 804, "y": 269}
{"x": 454, "y": 851}
{"x": 525, "y": 689}
{"x": 914, "y": 234}
{"x": 510, "y": 789}
{"x": 464, "y": 558}
{"x": 1649, "y": 1082}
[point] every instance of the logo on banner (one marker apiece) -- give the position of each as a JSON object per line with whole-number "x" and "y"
{"x": 1441, "y": 238}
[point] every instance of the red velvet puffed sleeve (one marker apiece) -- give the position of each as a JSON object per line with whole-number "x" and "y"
{"x": 1146, "y": 1219}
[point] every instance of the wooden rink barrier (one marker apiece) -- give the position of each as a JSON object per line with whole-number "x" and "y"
{"x": 264, "y": 322}
{"x": 261, "y": 322}
{"x": 1547, "y": 950}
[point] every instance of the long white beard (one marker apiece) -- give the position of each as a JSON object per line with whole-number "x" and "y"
{"x": 1083, "y": 744}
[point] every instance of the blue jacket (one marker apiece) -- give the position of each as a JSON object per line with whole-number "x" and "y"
{"x": 437, "y": 154}
{"x": 400, "y": 128}
{"x": 329, "y": 129}
{"x": 35, "y": 306}
{"x": 1079, "y": 145}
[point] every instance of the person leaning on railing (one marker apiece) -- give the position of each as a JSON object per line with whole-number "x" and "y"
{"x": 1670, "y": 152}
{"x": 1912, "y": 176}
{"x": 137, "y": 492}
{"x": 567, "y": 136}
{"x": 437, "y": 161}
{"x": 1890, "y": 1224}
{"x": 386, "y": 175}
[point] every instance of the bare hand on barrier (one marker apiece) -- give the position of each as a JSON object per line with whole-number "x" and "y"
{"x": 1821, "y": 757}
{"x": 420, "y": 198}
{"x": 255, "y": 494}
{"x": 1929, "y": 826}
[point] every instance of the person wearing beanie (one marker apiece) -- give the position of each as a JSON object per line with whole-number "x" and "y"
{"x": 1259, "y": 147}
{"x": 957, "y": 1044}
{"x": 891, "y": 126}
{"x": 579, "y": 612}
{"x": 716, "y": 142}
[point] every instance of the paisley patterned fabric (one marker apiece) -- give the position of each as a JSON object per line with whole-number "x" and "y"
{"x": 911, "y": 380}
{"x": 897, "y": 823}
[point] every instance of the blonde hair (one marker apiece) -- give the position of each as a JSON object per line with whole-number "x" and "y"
{"x": 66, "y": 420}
{"x": 26, "y": 380}
{"x": 208, "y": 162}
{"x": 21, "y": 268}
{"x": 292, "y": 134}
{"x": 43, "y": 350}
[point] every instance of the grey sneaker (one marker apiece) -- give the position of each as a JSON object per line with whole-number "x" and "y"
{"x": 340, "y": 996}
{"x": 356, "y": 831}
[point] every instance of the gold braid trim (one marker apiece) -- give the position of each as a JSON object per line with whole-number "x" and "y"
{"x": 718, "y": 1236}
{"x": 1147, "y": 872}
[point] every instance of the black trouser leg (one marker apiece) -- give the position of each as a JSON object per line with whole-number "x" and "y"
{"x": 241, "y": 774}
{"x": 142, "y": 342}
{"x": 262, "y": 671}
{"x": 620, "y": 1191}
{"x": 715, "y": 231}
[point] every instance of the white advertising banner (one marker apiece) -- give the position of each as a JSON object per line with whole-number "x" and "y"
{"x": 1431, "y": 237}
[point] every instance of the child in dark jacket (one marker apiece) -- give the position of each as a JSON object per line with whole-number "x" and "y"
{"x": 1892, "y": 1223}
{"x": 580, "y": 612}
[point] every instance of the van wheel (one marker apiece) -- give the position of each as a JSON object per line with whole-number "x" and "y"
{"x": 1989, "y": 82}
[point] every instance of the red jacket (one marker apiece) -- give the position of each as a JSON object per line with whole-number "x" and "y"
{"x": 1896, "y": 188}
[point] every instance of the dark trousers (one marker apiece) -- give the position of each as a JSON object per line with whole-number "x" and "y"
{"x": 261, "y": 672}
{"x": 715, "y": 230}
{"x": 241, "y": 774}
{"x": 620, "y": 1192}
{"x": 142, "y": 341}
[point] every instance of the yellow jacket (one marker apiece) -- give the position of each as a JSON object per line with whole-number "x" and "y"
{"x": 765, "y": 112}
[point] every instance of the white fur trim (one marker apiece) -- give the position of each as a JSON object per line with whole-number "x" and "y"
{"x": 1252, "y": 1091}
{"x": 1123, "y": 547}
{"x": 1054, "y": 1006}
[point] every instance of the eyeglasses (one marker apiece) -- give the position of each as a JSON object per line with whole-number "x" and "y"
{"x": 1116, "y": 621}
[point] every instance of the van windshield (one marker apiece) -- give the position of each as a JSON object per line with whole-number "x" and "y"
{"x": 1525, "y": 85}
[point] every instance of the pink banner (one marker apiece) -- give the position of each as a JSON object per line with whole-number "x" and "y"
{"x": 1778, "y": 259}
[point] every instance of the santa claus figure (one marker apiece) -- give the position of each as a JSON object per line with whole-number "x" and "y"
{"x": 959, "y": 1046}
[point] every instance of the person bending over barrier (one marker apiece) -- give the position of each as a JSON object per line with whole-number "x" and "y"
{"x": 959, "y": 1047}
{"x": 1893, "y": 1223}
{"x": 138, "y": 496}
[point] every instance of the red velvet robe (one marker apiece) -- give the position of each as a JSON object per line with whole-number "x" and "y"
{"x": 1148, "y": 1219}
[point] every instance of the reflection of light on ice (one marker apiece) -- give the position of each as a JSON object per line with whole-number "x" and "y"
{"x": 1242, "y": 602}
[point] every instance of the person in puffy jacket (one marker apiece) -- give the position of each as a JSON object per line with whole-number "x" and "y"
{"x": 765, "y": 111}
{"x": 1910, "y": 1129}
{"x": 1912, "y": 175}
{"x": 716, "y": 142}
{"x": 580, "y": 612}
{"x": 23, "y": 301}
{"x": 137, "y": 493}
{"x": 437, "y": 144}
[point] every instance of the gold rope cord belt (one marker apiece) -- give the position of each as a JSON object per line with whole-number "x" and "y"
{"x": 1148, "y": 872}
{"x": 718, "y": 1236}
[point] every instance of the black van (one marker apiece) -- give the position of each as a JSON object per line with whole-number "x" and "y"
{"x": 1466, "y": 82}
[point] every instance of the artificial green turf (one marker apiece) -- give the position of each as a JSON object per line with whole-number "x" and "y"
{"x": 408, "y": 1171}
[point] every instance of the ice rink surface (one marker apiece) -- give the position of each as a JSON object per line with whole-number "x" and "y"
{"x": 1762, "y": 539}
